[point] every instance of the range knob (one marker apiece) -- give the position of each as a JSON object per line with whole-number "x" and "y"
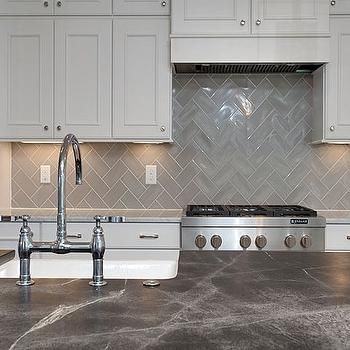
{"x": 245, "y": 242}
{"x": 216, "y": 241}
{"x": 290, "y": 241}
{"x": 306, "y": 241}
{"x": 200, "y": 241}
{"x": 260, "y": 241}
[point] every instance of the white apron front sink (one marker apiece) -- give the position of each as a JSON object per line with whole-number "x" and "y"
{"x": 121, "y": 264}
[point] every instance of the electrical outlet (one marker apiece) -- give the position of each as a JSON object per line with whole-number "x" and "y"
{"x": 151, "y": 174}
{"x": 45, "y": 174}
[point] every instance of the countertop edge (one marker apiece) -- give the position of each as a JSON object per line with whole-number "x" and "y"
{"x": 6, "y": 256}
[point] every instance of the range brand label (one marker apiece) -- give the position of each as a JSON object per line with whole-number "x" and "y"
{"x": 299, "y": 221}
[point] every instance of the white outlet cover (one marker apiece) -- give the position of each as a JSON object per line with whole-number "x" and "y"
{"x": 45, "y": 174}
{"x": 151, "y": 174}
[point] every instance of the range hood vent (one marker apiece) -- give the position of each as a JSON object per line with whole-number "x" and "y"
{"x": 241, "y": 68}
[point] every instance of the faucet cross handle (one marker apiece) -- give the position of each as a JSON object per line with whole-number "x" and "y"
{"x": 98, "y": 219}
{"x": 25, "y": 219}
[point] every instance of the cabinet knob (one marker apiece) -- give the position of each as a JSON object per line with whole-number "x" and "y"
{"x": 59, "y": 127}
{"x": 242, "y": 23}
{"x": 46, "y": 3}
{"x": 332, "y": 128}
{"x": 59, "y": 3}
{"x": 46, "y": 127}
{"x": 162, "y": 128}
{"x": 258, "y": 22}
{"x": 163, "y": 3}
{"x": 333, "y": 2}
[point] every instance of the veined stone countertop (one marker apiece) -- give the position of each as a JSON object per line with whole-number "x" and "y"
{"x": 220, "y": 300}
{"x": 87, "y": 215}
{"x": 335, "y": 216}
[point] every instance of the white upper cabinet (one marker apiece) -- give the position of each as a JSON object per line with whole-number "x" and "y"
{"x": 337, "y": 124}
{"x": 142, "y": 79}
{"x": 26, "y": 71}
{"x": 141, "y": 7}
{"x": 57, "y": 7}
{"x": 280, "y": 17}
{"x": 201, "y": 17}
{"x": 235, "y": 17}
{"x": 20, "y": 7}
{"x": 83, "y": 73}
{"x": 339, "y": 7}
{"x": 82, "y": 7}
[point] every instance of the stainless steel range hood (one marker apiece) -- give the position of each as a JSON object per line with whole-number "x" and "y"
{"x": 240, "y": 68}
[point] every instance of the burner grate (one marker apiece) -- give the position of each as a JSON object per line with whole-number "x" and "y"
{"x": 249, "y": 210}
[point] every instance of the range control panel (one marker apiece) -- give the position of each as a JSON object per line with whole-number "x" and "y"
{"x": 269, "y": 239}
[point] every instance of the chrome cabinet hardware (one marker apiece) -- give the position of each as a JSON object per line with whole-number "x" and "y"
{"x": 46, "y": 3}
{"x": 148, "y": 236}
{"x": 348, "y": 238}
{"x": 59, "y": 127}
{"x": 46, "y": 127}
{"x": 59, "y": 3}
{"x": 163, "y": 3}
{"x": 332, "y": 128}
{"x": 162, "y": 128}
{"x": 242, "y": 23}
{"x": 75, "y": 235}
{"x": 258, "y": 22}
{"x": 333, "y": 2}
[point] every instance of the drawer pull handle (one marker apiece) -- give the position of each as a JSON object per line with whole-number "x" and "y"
{"x": 144, "y": 236}
{"x": 348, "y": 238}
{"x": 75, "y": 235}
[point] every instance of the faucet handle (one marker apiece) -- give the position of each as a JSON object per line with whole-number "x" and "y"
{"x": 25, "y": 219}
{"x": 98, "y": 219}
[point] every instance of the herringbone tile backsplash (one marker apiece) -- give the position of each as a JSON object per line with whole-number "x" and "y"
{"x": 238, "y": 139}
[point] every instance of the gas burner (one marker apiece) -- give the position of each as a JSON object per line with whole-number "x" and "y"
{"x": 249, "y": 210}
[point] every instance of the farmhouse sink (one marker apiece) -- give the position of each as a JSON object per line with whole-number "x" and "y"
{"x": 121, "y": 264}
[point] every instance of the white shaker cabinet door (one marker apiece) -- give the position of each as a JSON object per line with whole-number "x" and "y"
{"x": 203, "y": 17}
{"x": 83, "y": 70}
{"x": 26, "y": 7}
{"x": 26, "y": 71}
{"x": 339, "y": 7}
{"x": 141, "y": 7}
{"x": 338, "y": 81}
{"x": 283, "y": 17}
{"x": 82, "y": 7}
{"x": 142, "y": 79}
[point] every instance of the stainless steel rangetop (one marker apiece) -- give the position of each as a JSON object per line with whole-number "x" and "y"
{"x": 273, "y": 228}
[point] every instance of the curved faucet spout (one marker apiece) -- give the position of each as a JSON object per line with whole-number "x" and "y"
{"x": 70, "y": 139}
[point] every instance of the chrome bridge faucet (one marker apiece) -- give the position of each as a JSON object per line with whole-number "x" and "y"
{"x": 26, "y": 245}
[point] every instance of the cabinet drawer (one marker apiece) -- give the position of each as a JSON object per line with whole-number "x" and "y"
{"x": 141, "y": 7}
{"x": 338, "y": 237}
{"x": 142, "y": 235}
{"x": 124, "y": 235}
{"x": 339, "y": 7}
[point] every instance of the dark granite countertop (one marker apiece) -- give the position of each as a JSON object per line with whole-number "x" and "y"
{"x": 6, "y": 255}
{"x": 220, "y": 300}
